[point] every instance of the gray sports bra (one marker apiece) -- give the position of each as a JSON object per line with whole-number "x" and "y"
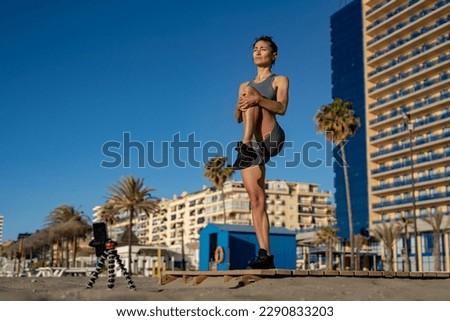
{"x": 265, "y": 87}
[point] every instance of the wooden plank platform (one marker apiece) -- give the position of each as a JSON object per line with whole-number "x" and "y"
{"x": 245, "y": 275}
{"x": 248, "y": 276}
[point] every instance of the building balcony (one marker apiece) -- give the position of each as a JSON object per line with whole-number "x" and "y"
{"x": 394, "y": 117}
{"x": 410, "y": 58}
{"x": 407, "y": 202}
{"x": 404, "y": 45}
{"x": 410, "y": 216}
{"x": 388, "y": 12}
{"x": 404, "y": 166}
{"x": 406, "y": 183}
{"x": 305, "y": 200}
{"x": 239, "y": 221}
{"x": 398, "y": 150}
{"x": 417, "y": 73}
{"x": 322, "y": 204}
{"x": 380, "y": 9}
{"x": 312, "y": 192}
{"x": 425, "y": 88}
{"x": 397, "y": 27}
{"x": 320, "y": 211}
{"x": 305, "y": 219}
{"x": 420, "y": 125}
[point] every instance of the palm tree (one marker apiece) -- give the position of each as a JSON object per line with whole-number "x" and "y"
{"x": 360, "y": 240}
{"x": 435, "y": 221}
{"x": 405, "y": 223}
{"x": 218, "y": 174}
{"x": 338, "y": 122}
{"x": 105, "y": 213}
{"x": 76, "y": 228}
{"x": 68, "y": 225}
{"x": 388, "y": 234}
{"x": 327, "y": 236}
{"x": 131, "y": 196}
{"x": 37, "y": 244}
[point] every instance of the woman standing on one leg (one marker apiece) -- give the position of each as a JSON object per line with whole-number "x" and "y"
{"x": 260, "y": 100}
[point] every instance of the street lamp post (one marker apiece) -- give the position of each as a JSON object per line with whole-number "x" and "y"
{"x": 410, "y": 125}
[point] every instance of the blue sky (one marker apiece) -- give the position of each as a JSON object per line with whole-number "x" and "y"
{"x": 76, "y": 75}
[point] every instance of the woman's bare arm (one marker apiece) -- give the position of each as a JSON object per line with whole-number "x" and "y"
{"x": 250, "y": 97}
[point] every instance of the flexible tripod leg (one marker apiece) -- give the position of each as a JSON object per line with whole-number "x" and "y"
{"x": 97, "y": 271}
{"x": 111, "y": 265}
{"x": 130, "y": 283}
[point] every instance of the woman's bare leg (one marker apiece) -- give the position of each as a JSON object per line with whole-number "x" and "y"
{"x": 254, "y": 183}
{"x": 251, "y": 118}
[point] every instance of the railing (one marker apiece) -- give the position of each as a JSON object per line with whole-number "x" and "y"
{"x": 419, "y": 160}
{"x": 410, "y": 215}
{"x": 376, "y": 7}
{"x": 404, "y": 92}
{"x": 408, "y": 181}
{"x": 416, "y": 105}
{"x": 408, "y": 199}
{"x": 405, "y": 146}
{"x": 413, "y": 53}
{"x": 415, "y": 70}
{"x": 391, "y": 14}
{"x": 412, "y": 36}
{"x": 400, "y": 25}
{"x": 419, "y": 123}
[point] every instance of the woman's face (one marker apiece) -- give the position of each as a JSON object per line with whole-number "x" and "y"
{"x": 262, "y": 54}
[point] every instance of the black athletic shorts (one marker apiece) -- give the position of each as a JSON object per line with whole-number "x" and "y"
{"x": 271, "y": 146}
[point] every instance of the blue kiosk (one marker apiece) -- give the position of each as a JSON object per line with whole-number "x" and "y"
{"x": 229, "y": 247}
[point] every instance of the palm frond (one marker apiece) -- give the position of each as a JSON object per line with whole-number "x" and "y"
{"x": 217, "y": 172}
{"x": 337, "y": 120}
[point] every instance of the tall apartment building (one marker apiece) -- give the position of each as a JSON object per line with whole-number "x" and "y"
{"x": 2, "y": 218}
{"x": 294, "y": 205}
{"x": 407, "y": 62}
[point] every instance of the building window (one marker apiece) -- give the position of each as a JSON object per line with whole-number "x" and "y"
{"x": 422, "y": 193}
{"x": 432, "y": 172}
{"x": 432, "y": 191}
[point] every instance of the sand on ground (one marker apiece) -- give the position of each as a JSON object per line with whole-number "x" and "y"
{"x": 305, "y": 288}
